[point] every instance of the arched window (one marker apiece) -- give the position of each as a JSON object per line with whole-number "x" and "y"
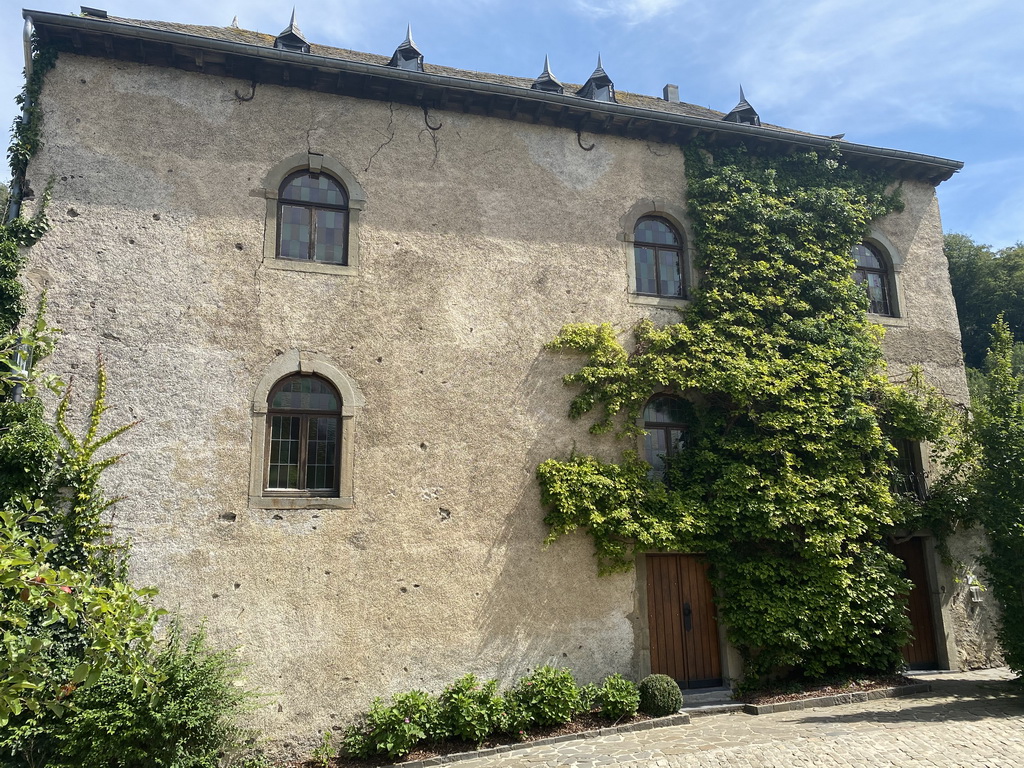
{"x": 872, "y": 273}
{"x": 312, "y": 213}
{"x": 303, "y": 437}
{"x": 667, "y": 422}
{"x": 658, "y": 258}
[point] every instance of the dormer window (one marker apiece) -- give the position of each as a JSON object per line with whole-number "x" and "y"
{"x": 407, "y": 55}
{"x": 291, "y": 38}
{"x": 599, "y": 87}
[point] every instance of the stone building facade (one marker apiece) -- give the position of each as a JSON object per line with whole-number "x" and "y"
{"x": 476, "y": 215}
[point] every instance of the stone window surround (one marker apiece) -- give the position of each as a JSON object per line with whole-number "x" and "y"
{"x": 674, "y": 215}
{"x": 352, "y": 400}
{"x": 315, "y": 162}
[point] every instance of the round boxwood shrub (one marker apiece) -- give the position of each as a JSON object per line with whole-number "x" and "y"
{"x": 660, "y": 696}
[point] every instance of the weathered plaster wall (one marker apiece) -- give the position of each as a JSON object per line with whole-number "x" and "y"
{"x": 478, "y": 241}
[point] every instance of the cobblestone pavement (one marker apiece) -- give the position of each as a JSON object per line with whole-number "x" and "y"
{"x": 969, "y": 720}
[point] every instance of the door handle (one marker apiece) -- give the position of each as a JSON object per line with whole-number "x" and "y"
{"x": 687, "y": 617}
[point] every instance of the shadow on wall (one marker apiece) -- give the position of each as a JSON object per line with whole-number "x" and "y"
{"x": 548, "y": 605}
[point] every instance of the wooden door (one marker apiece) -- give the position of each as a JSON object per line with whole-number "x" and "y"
{"x": 682, "y": 622}
{"x": 920, "y": 652}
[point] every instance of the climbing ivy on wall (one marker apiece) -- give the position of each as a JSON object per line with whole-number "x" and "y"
{"x": 785, "y": 484}
{"x": 20, "y": 233}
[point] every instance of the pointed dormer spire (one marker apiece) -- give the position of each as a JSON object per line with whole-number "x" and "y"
{"x": 291, "y": 38}
{"x": 407, "y": 55}
{"x": 546, "y": 81}
{"x": 599, "y": 86}
{"x": 743, "y": 112}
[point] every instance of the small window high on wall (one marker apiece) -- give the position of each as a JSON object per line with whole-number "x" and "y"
{"x": 658, "y": 259}
{"x": 313, "y": 219}
{"x": 874, "y": 275}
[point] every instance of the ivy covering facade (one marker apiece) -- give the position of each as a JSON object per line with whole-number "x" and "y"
{"x": 785, "y": 485}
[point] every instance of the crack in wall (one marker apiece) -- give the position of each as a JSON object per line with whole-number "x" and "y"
{"x": 389, "y": 131}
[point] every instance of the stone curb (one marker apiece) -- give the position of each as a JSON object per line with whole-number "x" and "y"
{"x": 643, "y": 725}
{"x": 839, "y": 698}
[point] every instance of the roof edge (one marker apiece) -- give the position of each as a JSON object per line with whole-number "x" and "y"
{"x": 943, "y": 166}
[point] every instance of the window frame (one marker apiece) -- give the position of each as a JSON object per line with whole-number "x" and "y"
{"x": 313, "y": 162}
{"x": 679, "y": 251}
{"x": 893, "y": 261}
{"x": 288, "y": 364}
{"x": 883, "y": 270}
{"x": 313, "y": 208}
{"x": 667, "y": 427}
{"x": 304, "y": 416}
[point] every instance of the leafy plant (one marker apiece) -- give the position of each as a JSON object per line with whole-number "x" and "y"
{"x": 325, "y": 751}
{"x": 998, "y": 489}
{"x": 659, "y": 696}
{"x": 469, "y": 709}
{"x": 618, "y": 698}
{"x": 189, "y": 720}
{"x": 393, "y": 729}
{"x": 785, "y": 481}
{"x": 547, "y": 696}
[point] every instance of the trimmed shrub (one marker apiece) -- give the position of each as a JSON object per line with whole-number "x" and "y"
{"x": 619, "y": 697}
{"x": 469, "y": 709}
{"x": 588, "y": 697}
{"x": 393, "y": 729}
{"x": 547, "y": 696}
{"x": 660, "y": 696}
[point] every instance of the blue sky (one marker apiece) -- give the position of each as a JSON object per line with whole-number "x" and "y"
{"x": 939, "y": 77}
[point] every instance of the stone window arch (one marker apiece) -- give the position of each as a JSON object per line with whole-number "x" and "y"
{"x": 312, "y": 197}
{"x": 304, "y": 410}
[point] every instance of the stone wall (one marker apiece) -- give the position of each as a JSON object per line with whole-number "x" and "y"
{"x": 477, "y": 242}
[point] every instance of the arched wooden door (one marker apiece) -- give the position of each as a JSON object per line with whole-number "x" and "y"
{"x": 921, "y": 652}
{"x": 682, "y": 621}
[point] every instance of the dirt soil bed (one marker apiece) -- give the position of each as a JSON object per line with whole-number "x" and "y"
{"x": 776, "y": 696}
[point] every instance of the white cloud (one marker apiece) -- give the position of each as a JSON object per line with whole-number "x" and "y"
{"x": 632, "y": 11}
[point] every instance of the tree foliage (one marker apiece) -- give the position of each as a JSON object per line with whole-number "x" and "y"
{"x": 998, "y": 488}
{"x": 986, "y": 284}
{"x": 785, "y": 484}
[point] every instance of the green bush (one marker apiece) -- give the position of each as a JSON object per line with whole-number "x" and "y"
{"x": 394, "y": 729}
{"x": 660, "y": 696}
{"x": 547, "y": 696}
{"x": 618, "y": 698}
{"x": 588, "y": 697}
{"x": 191, "y": 721}
{"x": 469, "y": 709}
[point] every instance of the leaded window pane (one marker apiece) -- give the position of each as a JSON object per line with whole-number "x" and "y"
{"x": 295, "y": 232}
{"x": 656, "y": 232}
{"x": 321, "y": 452}
{"x": 305, "y": 393}
{"x": 646, "y": 271}
{"x": 866, "y": 257}
{"x": 330, "y": 236}
{"x": 666, "y": 409}
{"x": 655, "y": 450}
{"x": 670, "y": 274}
{"x": 314, "y": 188}
{"x": 284, "y": 452}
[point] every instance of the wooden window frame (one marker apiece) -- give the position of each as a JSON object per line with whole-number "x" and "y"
{"x": 680, "y": 252}
{"x": 304, "y": 416}
{"x": 885, "y": 272}
{"x": 312, "y": 208}
{"x": 666, "y": 427}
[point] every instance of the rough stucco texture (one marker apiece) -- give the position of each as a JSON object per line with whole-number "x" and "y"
{"x": 478, "y": 241}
